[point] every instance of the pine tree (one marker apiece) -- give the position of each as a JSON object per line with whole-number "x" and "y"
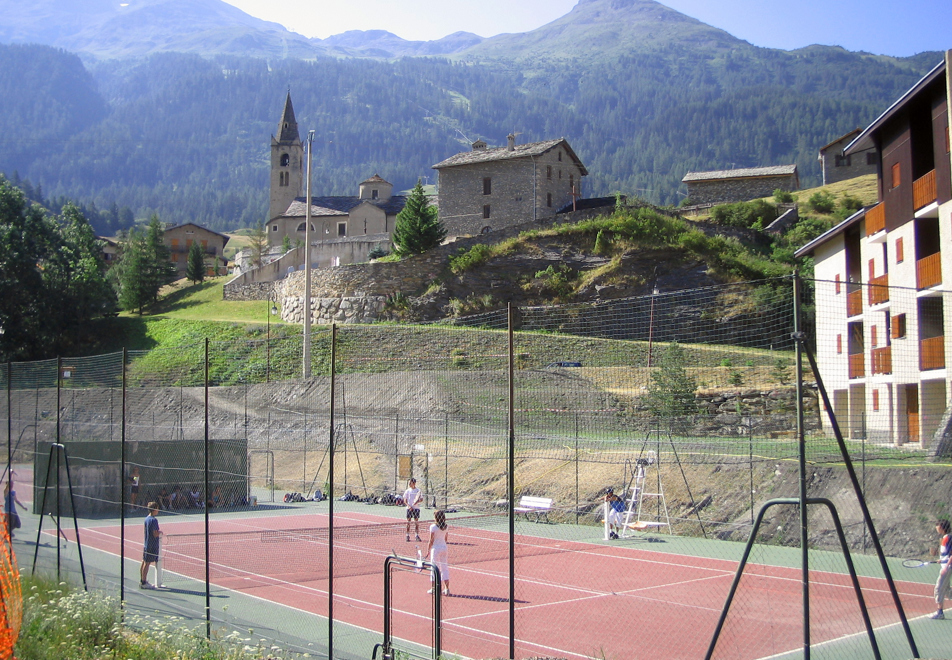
{"x": 418, "y": 228}
{"x": 195, "y": 266}
{"x": 671, "y": 391}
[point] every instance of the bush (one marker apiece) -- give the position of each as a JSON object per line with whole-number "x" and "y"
{"x": 745, "y": 214}
{"x": 465, "y": 260}
{"x": 377, "y": 253}
{"x": 783, "y": 196}
{"x": 822, "y": 202}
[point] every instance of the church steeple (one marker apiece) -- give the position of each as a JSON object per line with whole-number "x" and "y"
{"x": 288, "y": 128}
{"x": 287, "y": 164}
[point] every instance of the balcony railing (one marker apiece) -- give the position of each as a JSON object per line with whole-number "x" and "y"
{"x": 857, "y": 366}
{"x": 879, "y": 290}
{"x": 923, "y": 191}
{"x": 932, "y": 353}
{"x": 854, "y": 302}
{"x": 929, "y": 271}
{"x": 882, "y": 360}
{"x": 876, "y": 219}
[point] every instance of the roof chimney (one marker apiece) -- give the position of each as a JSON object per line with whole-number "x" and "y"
{"x": 512, "y": 142}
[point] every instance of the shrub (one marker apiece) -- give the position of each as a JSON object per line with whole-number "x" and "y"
{"x": 465, "y": 260}
{"x": 822, "y": 202}
{"x": 744, "y": 214}
{"x": 377, "y": 253}
{"x": 783, "y": 196}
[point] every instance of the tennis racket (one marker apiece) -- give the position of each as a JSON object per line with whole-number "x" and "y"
{"x": 915, "y": 563}
{"x": 419, "y": 560}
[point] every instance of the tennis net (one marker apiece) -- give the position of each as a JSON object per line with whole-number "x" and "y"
{"x": 250, "y": 558}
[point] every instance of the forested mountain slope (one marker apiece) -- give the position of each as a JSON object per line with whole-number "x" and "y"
{"x": 643, "y": 94}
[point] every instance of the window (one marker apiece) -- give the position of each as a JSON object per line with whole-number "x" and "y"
{"x": 839, "y": 343}
{"x": 875, "y": 399}
{"x": 896, "y": 175}
{"x": 900, "y": 255}
{"x": 486, "y": 211}
{"x": 548, "y": 172}
{"x": 341, "y": 228}
{"x": 487, "y": 185}
{"x": 285, "y": 160}
{"x": 837, "y": 283}
{"x": 898, "y": 326}
{"x": 548, "y": 199}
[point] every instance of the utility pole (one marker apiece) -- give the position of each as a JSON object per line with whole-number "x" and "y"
{"x": 307, "y": 261}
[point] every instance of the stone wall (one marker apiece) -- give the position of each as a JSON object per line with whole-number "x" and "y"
{"x": 738, "y": 190}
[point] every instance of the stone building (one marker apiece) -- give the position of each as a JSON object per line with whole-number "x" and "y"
{"x": 486, "y": 189}
{"x": 839, "y": 166}
{"x": 741, "y": 185}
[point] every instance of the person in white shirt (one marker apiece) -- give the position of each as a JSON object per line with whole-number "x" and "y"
{"x": 438, "y": 551}
{"x": 411, "y": 498}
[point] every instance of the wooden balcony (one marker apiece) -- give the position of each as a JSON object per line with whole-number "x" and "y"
{"x": 929, "y": 271}
{"x": 854, "y": 302}
{"x": 879, "y": 290}
{"x": 882, "y": 360}
{"x": 931, "y": 353}
{"x": 857, "y": 366}
{"x": 876, "y": 219}
{"x": 923, "y": 191}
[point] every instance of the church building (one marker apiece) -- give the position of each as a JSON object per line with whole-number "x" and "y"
{"x": 344, "y": 229}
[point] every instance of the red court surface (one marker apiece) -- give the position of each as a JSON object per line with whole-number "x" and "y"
{"x": 573, "y": 599}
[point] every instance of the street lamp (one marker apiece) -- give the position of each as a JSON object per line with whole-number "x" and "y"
{"x": 272, "y": 311}
{"x": 307, "y": 260}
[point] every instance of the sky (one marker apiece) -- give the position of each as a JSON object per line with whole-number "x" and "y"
{"x": 883, "y": 27}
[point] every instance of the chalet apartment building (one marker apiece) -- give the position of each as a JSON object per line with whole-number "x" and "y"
{"x": 884, "y": 313}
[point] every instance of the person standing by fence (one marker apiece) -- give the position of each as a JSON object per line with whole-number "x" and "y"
{"x": 150, "y": 548}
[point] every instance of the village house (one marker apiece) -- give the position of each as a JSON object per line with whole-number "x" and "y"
{"x": 839, "y": 166}
{"x": 486, "y": 189}
{"x": 179, "y": 240}
{"x": 740, "y": 185}
{"x": 881, "y": 309}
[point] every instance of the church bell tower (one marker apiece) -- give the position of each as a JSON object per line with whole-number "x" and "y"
{"x": 287, "y": 164}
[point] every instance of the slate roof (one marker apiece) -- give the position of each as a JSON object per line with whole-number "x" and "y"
{"x": 743, "y": 173}
{"x": 289, "y": 134}
{"x": 341, "y": 206}
{"x": 503, "y": 153}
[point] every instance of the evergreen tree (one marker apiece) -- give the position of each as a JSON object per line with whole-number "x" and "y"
{"x": 195, "y": 267}
{"x": 418, "y": 228}
{"x": 258, "y": 244}
{"x": 671, "y": 392}
{"x": 159, "y": 268}
{"x": 130, "y": 272}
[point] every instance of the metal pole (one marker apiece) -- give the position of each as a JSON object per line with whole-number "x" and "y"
{"x": 801, "y": 454}
{"x": 208, "y": 592}
{"x": 510, "y": 496}
{"x": 330, "y": 500}
{"x": 122, "y": 488}
{"x": 307, "y": 262}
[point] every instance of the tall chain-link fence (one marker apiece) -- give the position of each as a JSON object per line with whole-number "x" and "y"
{"x": 281, "y": 497}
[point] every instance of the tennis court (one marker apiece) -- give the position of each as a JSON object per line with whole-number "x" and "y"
{"x": 573, "y": 596}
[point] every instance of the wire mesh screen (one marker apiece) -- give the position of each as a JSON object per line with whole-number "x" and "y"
{"x": 276, "y": 488}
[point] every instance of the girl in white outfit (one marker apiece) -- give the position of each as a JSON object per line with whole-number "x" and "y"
{"x": 439, "y": 553}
